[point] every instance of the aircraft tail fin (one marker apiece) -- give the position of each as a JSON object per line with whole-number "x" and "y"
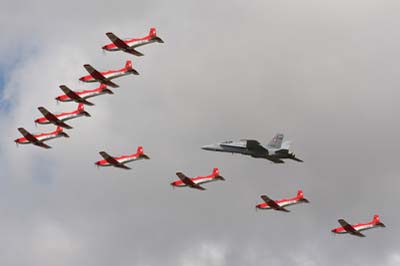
{"x": 217, "y": 175}
{"x": 276, "y": 142}
{"x": 300, "y": 196}
{"x": 61, "y": 132}
{"x": 153, "y": 35}
{"x": 141, "y": 153}
{"x": 81, "y": 109}
{"x": 128, "y": 64}
{"x": 129, "y": 68}
{"x": 377, "y": 221}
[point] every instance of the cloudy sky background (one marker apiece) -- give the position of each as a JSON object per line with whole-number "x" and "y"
{"x": 325, "y": 73}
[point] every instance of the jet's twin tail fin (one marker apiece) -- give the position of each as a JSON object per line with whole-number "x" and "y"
{"x": 276, "y": 142}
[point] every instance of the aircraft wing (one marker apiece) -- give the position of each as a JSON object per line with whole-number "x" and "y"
{"x": 273, "y": 204}
{"x": 134, "y": 52}
{"x": 71, "y": 94}
{"x": 52, "y": 118}
{"x": 349, "y": 228}
{"x": 274, "y": 159}
{"x": 32, "y": 138}
{"x": 189, "y": 181}
{"x": 122, "y": 45}
{"x": 255, "y": 146}
{"x": 98, "y": 76}
{"x": 112, "y": 161}
{"x": 117, "y": 41}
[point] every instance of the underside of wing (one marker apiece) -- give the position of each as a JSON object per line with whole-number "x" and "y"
{"x": 41, "y": 144}
{"x": 117, "y": 41}
{"x": 122, "y": 166}
{"x": 349, "y": 228}
{"x": 133, "y": 52}
{"x": 71, "y": 94}
{"x": 95, "y": 74}
{"x": 254, "y": 145}
{"x": 28, "y": 135}
{"x": 274, "y": 159}
{"x": 189, "y": 181}
{"x": 109, "y": 83}
{"x": 52, "y": 118}
{"x": 112, "y": 161}
{"x": 273, "y": 204}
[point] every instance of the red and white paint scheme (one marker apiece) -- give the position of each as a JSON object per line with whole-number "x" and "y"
{"x": 356, "y": 228}
{"x": 58, "y": 119}
{"x": 129, "y": 45}
{"x": 81, "y": 96}
{"x": 38, "y": 139}
{"x": 195, "y": 182}
{"x": 280, "y": 204}
{"x": 122, "y": 160}
{"x": 107, "y": 76}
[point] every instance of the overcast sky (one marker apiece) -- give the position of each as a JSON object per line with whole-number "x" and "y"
{"x": 324, "y": 73}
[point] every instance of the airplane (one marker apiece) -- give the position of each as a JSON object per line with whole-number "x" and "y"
{"x": 39, "y": 139}
{"x": 129, "y": 45}
{"x": 120, "y": 161}
{"x": 107, "y": 76}
{"x": 280, "y": 204}
{"x": 58, "y": 119}
{"x": 81, "y": 96}
{"x": 274, "y": 151}
{"x": 356, "y": 228}
{"x": 195, "y": 181}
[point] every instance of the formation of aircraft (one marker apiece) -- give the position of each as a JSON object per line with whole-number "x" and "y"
{"x": 120, "y": 162}
{"x": 195, "y": 182}
{"x": 106, "y": 76}
{"x": 276, "y": 150}
{"x": 280, "y": 205}
{"x": 81, "y": 96}
{"x": 39, "y": 139}
{"x": 355, "y": 229}
{"x": 58, "y": 119}
{"x": 129, "y": 45}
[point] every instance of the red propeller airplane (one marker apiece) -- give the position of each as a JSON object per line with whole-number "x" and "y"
{"x": 81, "y": 96}
{"x": 356, "y": 228}
{"x": 38, "y": 139}
{"x": 58, "y": 119}
{"x": 129, "y": 45}
{"x": 122, "y": 160}
{"x": 195, "y": 181}
{"x": 107, "y": 76}
{"x": 280, "y": 204}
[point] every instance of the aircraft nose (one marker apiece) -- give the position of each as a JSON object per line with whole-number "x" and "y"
{"x": 210, "y": 147}
{"x": 333, "y": 230}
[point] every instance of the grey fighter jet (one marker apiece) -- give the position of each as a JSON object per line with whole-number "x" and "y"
{"x": 275, "y": 150}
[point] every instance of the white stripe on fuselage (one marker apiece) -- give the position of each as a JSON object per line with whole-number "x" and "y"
{"x": 200, "y": 181}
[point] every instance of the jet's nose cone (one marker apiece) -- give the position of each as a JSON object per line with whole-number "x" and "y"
{"x": 210, "y": 147}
